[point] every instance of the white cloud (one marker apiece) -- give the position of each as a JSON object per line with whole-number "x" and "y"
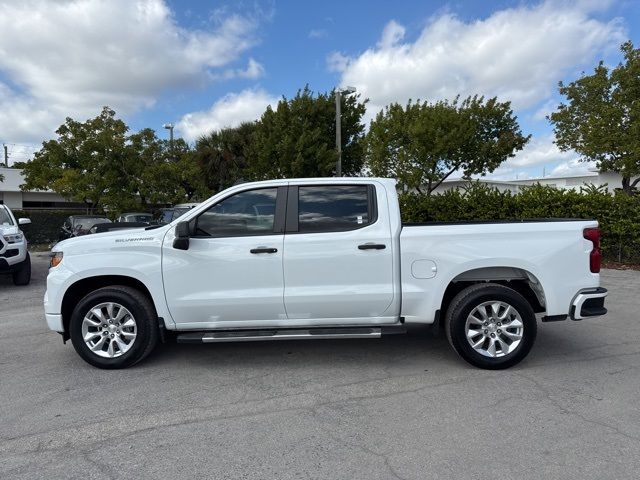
{"x": 540, "y": 150}
{"x": 573, "y": 167}
{"x": 392, "y": 33}
{"x": 546, "y": 109}
{"x": 229, "y": 111}
{"x": 318, "y": 33}
{"x": 337, "y": 62}
{"x": 518, "y": 54}
{"x": 69, "y": 58}
{"x": 252, "y": 71}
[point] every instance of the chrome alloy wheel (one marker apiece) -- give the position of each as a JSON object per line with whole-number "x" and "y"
{"x": 109, "y": 330}
{"x": 494, "y": 329}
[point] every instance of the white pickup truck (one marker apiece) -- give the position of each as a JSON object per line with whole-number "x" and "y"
{"x": 320, "y": 259}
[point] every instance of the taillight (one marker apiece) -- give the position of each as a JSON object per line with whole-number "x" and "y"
{"x": 595, "y": 257}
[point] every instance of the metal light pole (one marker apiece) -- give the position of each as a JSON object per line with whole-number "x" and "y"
{"x": 169, "y": 126}
{"x": 338, "y": 94}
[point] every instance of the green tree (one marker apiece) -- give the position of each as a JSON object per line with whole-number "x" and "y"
{"x": 98, "y": 163}
{"x": 163, "y": 173}
{"x": 422, "y": 144}
{"x": 297, "y": 139}
{"x": 601, "y": 119}
{"x": 84, "y": 163}
{"x": 222, "y": 155}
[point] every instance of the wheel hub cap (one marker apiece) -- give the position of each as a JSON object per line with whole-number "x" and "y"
{"x": 494, "y": 329}
{"x": 109, "y": 330}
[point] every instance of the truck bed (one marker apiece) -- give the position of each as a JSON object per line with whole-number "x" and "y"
{"x": 551, "y": 253}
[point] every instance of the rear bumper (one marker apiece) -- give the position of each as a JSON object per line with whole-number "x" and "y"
{"x": 588, "y": 303}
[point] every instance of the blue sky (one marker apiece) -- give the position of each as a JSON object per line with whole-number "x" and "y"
{"x": 204, "y": 64}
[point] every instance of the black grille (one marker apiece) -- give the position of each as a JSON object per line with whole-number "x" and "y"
{"x": 10, "y": 253}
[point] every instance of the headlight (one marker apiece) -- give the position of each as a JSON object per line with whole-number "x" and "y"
{"x": 15, "y": 238}
{"x": 56, "y": 258}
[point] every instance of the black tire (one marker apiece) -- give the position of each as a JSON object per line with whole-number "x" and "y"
{"x": 464, "y": 303}
{"x": 145, "y": 317}
{"x": 22, "y": 276}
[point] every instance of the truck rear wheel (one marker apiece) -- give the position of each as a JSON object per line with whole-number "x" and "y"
{"x": 491, "y": 326}
{"x": 114, "y": 327}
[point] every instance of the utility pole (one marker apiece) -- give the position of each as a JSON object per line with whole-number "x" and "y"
{"x": 169, "y": 126}
{"x": 338, "y": 94}
{"x": 6, "y": 156}
{"x": 338, "y": 134}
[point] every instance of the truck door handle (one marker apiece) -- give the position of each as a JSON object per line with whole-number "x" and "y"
{"x": 263, "y": 250}
{"x": 372, "y": 246}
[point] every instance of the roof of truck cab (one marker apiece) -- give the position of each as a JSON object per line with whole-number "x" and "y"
{"x": 320, "y": 181}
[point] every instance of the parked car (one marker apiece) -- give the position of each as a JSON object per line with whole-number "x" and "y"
{"x": 168, "y": 215}
{"x": 108, "y": 227}
{"x": 136, "y": 217}
{"x": 77, "y": 225}
{"x": 318, "y": 259}
{"x": 14, "y": 257}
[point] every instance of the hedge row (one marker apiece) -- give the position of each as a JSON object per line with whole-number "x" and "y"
{"x": 617, "y": 213}
{"x": 45, "y": 224}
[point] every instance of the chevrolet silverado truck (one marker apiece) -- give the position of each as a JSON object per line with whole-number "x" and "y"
{"x": 320, "y": 259}
{"x": 14, "y": 257}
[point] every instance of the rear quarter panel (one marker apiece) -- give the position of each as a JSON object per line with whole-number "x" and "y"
{"x": 555, "y": 253}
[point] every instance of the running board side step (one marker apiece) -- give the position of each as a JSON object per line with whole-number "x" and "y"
{"x": 284, "y": 334}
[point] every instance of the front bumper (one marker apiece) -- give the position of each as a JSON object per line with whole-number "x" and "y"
{"x": 588, "y": 303}
{"x": 54, "y": 321}
{"x": 14, "y": 266}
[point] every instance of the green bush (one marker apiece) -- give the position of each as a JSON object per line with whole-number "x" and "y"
{"x": 617, "y": 213}
{"x": 45, "y": 224}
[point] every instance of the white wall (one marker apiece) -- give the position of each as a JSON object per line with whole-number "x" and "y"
{"x": 13, "y": 200}
{"x": 11, "y": 195}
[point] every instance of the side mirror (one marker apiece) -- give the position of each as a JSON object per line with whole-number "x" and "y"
{"x": 181, "y": 242}
{"x": 24, "y": 221}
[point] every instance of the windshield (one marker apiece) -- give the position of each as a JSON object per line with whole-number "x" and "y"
{"x": 168, "y": 215}
{"x": 140, "y": 218}
{"x": 164, "y": 216}
{"x": 5, "y": 218}
{"x": 178, "y": 212}
{"x": 88, "y": 222}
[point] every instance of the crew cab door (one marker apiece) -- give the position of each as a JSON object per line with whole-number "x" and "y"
{"x": 231, "y": 274}
{"x": 338, "y": 261}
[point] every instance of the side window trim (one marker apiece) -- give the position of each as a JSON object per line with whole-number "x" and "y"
{"x": 373, "y": 204}
{"x": 281, "y": 209}
{"x": 292, "y": 210}
{"x": 293, "y": 199}
{"x": 278, "y": 221}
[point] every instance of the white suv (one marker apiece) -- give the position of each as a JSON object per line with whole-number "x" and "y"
{"x": 14, "y": 257}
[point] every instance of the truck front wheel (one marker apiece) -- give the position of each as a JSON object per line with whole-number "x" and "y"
{"x": 491, "y": 326}
{"x": 114, "y": 327}
{"x": 22, "y": 276}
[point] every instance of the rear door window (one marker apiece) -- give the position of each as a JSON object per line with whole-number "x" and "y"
{"x": 334, "y": 208}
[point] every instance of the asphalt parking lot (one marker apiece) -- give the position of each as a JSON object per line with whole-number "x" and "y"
{"x": 403, "y": 407}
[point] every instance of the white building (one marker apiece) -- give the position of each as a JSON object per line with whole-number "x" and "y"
{"x": 610, "y": 179}
{"x": 14, "y": 198}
